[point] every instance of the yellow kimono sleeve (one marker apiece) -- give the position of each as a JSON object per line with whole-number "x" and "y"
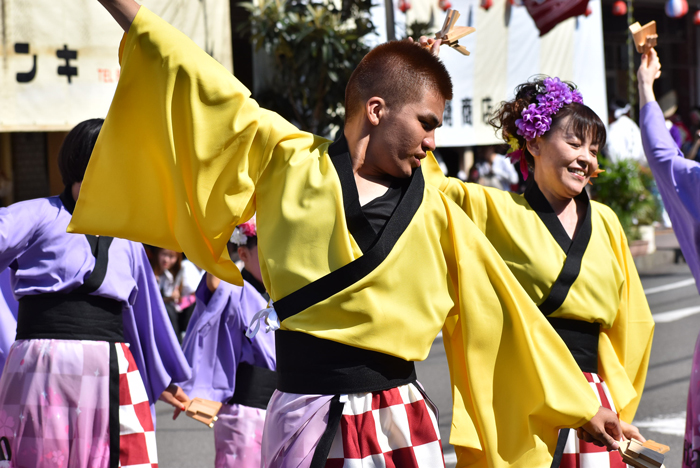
{"x": 180, "y": 152}
{"x": 625, "y": 347}
{"x": 469, "y": 197}
{"x": 510, "y": 397}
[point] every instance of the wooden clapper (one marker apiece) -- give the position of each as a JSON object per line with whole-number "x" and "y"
{"x": 450, "y": 34}
{"x": 204, "y": 411}
{"x": 649, "y": 454}
{"x": 645, "y": 37}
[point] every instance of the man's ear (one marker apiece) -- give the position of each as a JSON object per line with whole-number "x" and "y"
{"x": 375, "y": 108}
{"x": 534, "y": 146}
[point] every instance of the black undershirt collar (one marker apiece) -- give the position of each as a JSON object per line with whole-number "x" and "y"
{"x": 259, "y": 287}
{"x": 365, "y": 223}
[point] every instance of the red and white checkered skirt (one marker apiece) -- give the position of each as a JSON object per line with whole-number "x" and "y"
{"x": 581, "y": 454}
{"x": 137, "y": 437}
{"x": 387, "y": 429}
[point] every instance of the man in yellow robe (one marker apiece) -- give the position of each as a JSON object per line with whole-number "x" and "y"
{"x": 364, "y": 262}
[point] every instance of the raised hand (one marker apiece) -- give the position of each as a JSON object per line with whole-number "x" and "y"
{"x": 124, "y": 11}
{"x": 429, "y": 43}
{"x": 649, "y": 70}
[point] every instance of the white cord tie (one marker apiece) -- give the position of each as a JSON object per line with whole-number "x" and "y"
{"x": 268, "y": 314}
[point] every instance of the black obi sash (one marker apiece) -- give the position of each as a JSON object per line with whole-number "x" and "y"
{"x": 580, "y": 337}
{"x": 76, "y": 315}
{"x": 254, "y": 386}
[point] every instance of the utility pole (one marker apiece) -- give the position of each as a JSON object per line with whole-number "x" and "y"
{"x": 390, "y": 28}
{"x": 631, "y": 73}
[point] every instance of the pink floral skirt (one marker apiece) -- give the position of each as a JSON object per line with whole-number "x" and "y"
{"x": 238, "y": 435}
{"x": 59, "y": 400}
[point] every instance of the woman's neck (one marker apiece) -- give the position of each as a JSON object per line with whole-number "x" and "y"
{"x": 569, "y": 212}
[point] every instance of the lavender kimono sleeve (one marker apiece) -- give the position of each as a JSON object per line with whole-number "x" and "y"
{"x": 678, "y": 180}
{"x": 18, "y": 225}
{"x": 149, "y": 332}
{"x": 8, "y": 316}
{"x": 213, "y": 344}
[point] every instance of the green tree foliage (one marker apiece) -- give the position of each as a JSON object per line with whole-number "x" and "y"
{"x": 626, "y": 187}
{"x": 315, "y": 47}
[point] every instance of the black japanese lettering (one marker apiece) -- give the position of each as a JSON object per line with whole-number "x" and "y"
{"x": 486, "y": 109}
{"x": 467, "y": 111}
{"x": 67, "y": 55}
{"x": 25, "y": 77}
{"x": 447, "y": 115}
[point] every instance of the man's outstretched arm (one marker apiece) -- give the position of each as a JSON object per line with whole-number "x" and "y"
{"x": 124, "y": 11}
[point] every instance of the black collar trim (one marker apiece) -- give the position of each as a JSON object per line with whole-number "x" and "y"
{"x": 347, "y": 275}
{"x": 357, "y": 222}
{"x": 544, "y": 210}
{"x": 574, "y": 249}
{"x": 99, "y": 246}
{"x": 248, "y": 276}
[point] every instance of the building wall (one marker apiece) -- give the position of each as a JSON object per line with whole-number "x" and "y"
{"x": 677, "y": 49}
{"x": 29, "y": 165}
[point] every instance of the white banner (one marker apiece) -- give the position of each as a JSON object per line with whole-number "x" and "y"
{"x": 60, "y": 63}
{"x": 506, "y": 50}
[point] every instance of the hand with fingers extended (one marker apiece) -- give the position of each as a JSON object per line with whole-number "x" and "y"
{"x": 631, "y": 432}
{"x": 648, "y": 72}
{"x": 175, "y": 396}
{"x": 603, "y": 430}
{"x": 429, "y": 43}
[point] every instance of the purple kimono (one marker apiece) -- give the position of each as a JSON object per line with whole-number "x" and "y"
{"x": 8, "y": 316}
{"x": 216, "y": 346}
{"x": 60, "y": 406}
{"x": 678, "y": 180}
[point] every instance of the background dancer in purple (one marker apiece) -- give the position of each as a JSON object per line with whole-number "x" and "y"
{"x": 94, "y": 346}
{"x": 678, "y": 180}
{"x": 226, "y": 365}
{"x": 8, "y": 316}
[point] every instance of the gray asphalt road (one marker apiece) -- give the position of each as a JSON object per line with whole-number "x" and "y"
{"x": 674, "y": 302}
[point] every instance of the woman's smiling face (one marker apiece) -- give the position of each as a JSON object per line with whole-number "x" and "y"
{"x": 564, "y": 163}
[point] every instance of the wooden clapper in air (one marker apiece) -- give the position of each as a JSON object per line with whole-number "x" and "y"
{"x": 645, "y": 37}
{"x": 450, "y": 34}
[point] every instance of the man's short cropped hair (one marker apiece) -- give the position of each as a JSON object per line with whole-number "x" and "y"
{"x": 399, "y": 72}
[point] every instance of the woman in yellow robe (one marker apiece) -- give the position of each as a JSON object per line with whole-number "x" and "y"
{"x": 185, "y": 155}
{"x": 568, "y": 253}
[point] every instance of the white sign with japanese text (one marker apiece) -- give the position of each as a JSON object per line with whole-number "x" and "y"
{"x": 506, "y": 50}
{"x": 60, "y": 63}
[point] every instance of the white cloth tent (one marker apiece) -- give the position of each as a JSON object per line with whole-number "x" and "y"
{"x": 506, "y": 50}
{"x": 59, "y": 58}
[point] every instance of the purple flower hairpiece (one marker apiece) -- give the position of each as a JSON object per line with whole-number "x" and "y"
{"x": 537, "y": 118}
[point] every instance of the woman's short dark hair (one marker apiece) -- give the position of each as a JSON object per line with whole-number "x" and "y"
{"x": 584, "y": 122}
{"x": 232, "y": 247}
{"x": 74, "y": 155}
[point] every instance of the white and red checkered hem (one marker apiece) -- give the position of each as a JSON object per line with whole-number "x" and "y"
{"x": 137, "y": 437}
{"x": 386, "y": 429}
{"x": 581, "y": 454}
